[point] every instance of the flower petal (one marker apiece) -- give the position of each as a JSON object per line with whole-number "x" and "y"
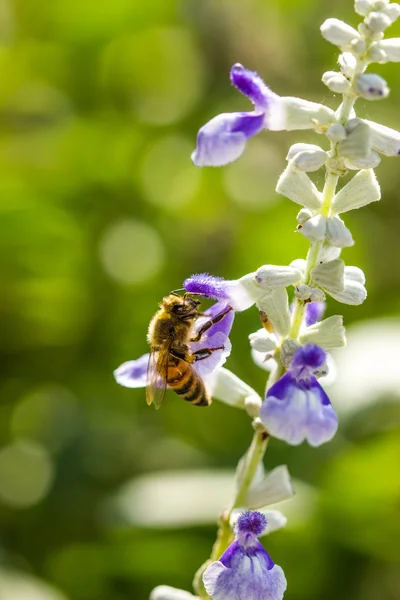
{"x": 225, "y": 386}
{"x": 223, "y": 139}
{"x": 295, "y": 411}
{"x": 251, "y": 85}
{"x": 240, "y": 294}
{"x": 239, "y": 575}
{"x": 133, "y": 373}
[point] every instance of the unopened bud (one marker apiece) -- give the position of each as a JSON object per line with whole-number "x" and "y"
{"x": 262, "y": 341}
{"x": 303, "y": 292}
{"x": 309, "y": 160}
{"x": 314, "y": 229}
{"x": 358, "y": 46}
{"x": 377, "y": 54}
{"x": 371, "y": 86}
{"x": 391, "y": 48}
{"x": 362, "y": 7}
{"x": 336, "y": 82}
{"x": 347, "y": 62}
{"x": 378, "y": 21}
{"x": 355, "y": 274}
{"x": 317, "y": 295}
{"x": 252, "y": 405}
{"x": 339, "y": 33}
{"x": 303, "y": 215}
{"x": 273, "y": 276}
{"x": 336, "y": 133}
{"x": 392, "y": 11}
{"x": 379, "y": 4}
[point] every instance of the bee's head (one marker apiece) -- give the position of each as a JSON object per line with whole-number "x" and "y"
{"x": 180, "y": 305}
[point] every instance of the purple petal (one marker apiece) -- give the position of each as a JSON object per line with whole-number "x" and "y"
{"x": 235, "y": 292}
{"x": 223, "y": 139}
{"x": 309, "y": 356}
{"x": 314, "y": 312}
{"x": 251, "y": 85}
{"x": 250, "y": 576}
{"x": 133, "y": 373}
{"x": 297, "y": 410}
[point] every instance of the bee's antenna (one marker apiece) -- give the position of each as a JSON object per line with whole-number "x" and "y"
{"x": 175, "y": 292}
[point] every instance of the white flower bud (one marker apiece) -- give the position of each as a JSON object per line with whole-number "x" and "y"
{"x": 164, "y": 592}
{"x": 339, "y": 33}
{"x": 336, "y": 133}
{"x": 276, "y": 305}
{"x": 378, "y": 21}
{"x": 289, "y": 347}
{"x": 303, "y": 215}
{"x": 392, "y": 11}
{"x": 303, "y": 292}
{"x": 299, "y": 263}
{"x": 384, "y": 139}
{"x": 355, "y": 274}
{"x": 371, "y": 86}
{"x": 314, "y": 229}
{"x": 338, "y": 234}
{"x": 225, "y": 386}
{"x": 301, "y": 114}
{"x": 328, "y": 333}
{"x": 358, "y": 46}
{"x": 391, "y": 48}
{"x": 317, "y": 295}
{"x": 336, "y": 82}
{"x": 299, "y": 188}
{"x": 354, "y": 293}
{"x": 377, "y": 54}
{"x": 262, "y": 341}
{"x": 362, "y": 7}
{"x": 370, "y": 161}
{"x": 379, "y": 4}
{"x": 358, "y": 141}
{"x": 329, "y": 275}
{"x": 360, "y": 191}
{"x": 275, "y": 487}
{"x": 273, "y": 276}
{"x": 347, "y": 62}
{"x": 252, "y": 405}
{"x": 309, "y": 160}
{"x": 300, "y": 147}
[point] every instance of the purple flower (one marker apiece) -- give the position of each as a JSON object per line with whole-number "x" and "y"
{"x": 240, "y": 294}
{"x": 297, "y": 408}
{"x": 245, "y": 570}
{"x": 133, "y": 373}
{"x": 223, "y": 139}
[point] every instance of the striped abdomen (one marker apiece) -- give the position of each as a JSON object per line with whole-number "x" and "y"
{"x": 187, "y": 383}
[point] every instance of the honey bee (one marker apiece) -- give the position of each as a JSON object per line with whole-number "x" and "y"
{"x": 171, "y": 360}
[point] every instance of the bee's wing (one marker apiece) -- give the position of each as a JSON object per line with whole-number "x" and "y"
{"x": 157, "y": 371}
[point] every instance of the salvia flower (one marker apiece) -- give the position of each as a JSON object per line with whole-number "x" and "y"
{"x": 223, "y": 139}
{"x": 245, "y": 570}
{"x": 297, "y": 408}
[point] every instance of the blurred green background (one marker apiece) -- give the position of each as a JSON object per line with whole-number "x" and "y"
{"x": 102, "y": 213}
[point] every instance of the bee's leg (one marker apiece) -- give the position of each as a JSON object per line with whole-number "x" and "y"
{"x": 191, "y": 357}
{"x": 210, "y": 323}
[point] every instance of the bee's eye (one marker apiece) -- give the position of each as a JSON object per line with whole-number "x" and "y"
{"x": 179, "y": 308}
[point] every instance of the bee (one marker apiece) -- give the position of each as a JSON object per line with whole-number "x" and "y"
{"x": 171, "y": 360}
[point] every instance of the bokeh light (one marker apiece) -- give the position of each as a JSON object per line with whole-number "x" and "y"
{"x": 26, "y": 474}
{"x": 131, "y": 252}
